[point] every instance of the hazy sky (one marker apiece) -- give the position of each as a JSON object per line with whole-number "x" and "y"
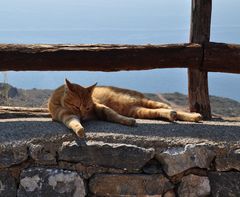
{"x": 116, "y": 21}
{"x": 113, "y": 16}
{"x": 74, "y": 14}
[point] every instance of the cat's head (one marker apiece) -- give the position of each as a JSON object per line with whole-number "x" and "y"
{"x": 78, "y": 99}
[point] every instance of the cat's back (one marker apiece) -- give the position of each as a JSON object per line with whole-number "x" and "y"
{"x": 106, "y": 94}
{"x": 58, "y": 93}
{"x": 56, "y": 97}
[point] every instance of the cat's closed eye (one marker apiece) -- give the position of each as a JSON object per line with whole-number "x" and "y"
{"x": 75, "y": 107}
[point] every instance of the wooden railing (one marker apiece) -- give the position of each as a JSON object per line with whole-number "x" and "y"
{"x": 199, "y": 56}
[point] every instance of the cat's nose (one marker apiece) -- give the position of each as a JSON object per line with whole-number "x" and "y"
{"x": 80, "y": 115}
{"x": 81, "y": 118}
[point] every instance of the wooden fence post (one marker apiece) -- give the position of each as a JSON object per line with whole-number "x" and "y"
{"x": 198, "y": 80}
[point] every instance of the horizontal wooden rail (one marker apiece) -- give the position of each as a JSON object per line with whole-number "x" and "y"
{"x": 18, "y": 112}
{"x": 98, "y": 57}
{"x": 221, "y": 57}
{"x": 216, "y": 57}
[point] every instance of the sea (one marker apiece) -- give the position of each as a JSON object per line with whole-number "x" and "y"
{"x": 116, "y": 22}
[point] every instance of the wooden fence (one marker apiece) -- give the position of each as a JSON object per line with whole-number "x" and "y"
{"x": 200, "y": 57}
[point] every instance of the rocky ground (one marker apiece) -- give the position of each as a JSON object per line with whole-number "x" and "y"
{"x": 11, "y": 96}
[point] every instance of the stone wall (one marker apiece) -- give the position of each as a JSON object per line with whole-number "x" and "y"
{"x": 70, "y": 167}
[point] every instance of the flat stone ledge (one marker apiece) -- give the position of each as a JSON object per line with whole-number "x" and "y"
{"x": 147, "y": 133}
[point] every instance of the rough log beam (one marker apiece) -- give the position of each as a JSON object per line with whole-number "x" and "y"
{"x": 197, "y": 79}
{"x": 218, "y": 57}
{"x": 18, "y": 112}
{"x": 98, "y": 57}
{"x": 221, "y": 57}
{"x": 23, "y": 109}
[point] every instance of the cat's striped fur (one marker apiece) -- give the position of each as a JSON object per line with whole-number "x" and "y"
{"x": 72, "y": 103}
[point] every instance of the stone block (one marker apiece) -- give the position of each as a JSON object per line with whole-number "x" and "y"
{"x": 120, "y": 156}
{"x": 229, "y": 162}
{"x": 129, "y": 185}
{"x": 12, "y": 154}
{"x": 194, "y": 186}
{"x": 169, "y": 193}
{"x": 43, "y": 153}
{"x": 179, "y": 159}
{"x": 87, "y": 171}
{"x": 8, "y": 186}
{"x": 51, "y": 183}
{"x": 225, "y": 184}
{"x": 153, "y": 167}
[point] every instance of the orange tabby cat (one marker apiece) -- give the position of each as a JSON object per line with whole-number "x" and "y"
{"x": 72, "y": 103}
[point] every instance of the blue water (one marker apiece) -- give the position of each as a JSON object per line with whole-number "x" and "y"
{"x": 120, "y": 22}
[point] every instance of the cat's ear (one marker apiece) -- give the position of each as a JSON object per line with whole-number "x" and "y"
{"x": 68, "y": 86}
{"x": 91, "y": 88}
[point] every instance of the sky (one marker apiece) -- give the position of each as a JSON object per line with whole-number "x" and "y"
{"x": 118, "y": 15}
{"x": 50, "y": 14}
{"x": 119, "y": 22}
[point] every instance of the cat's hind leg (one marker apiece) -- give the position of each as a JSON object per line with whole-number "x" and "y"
{"x": 191, "y": 117}
{"x": 148, "y": 103}
{"x": 146, "y": 113}
{"x": 105, "y": 113}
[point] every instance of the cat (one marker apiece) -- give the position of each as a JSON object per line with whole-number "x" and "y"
{"x": 72, "y": 103}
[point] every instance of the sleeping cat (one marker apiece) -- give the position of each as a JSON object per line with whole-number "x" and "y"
{"x": 72, "y": 103}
